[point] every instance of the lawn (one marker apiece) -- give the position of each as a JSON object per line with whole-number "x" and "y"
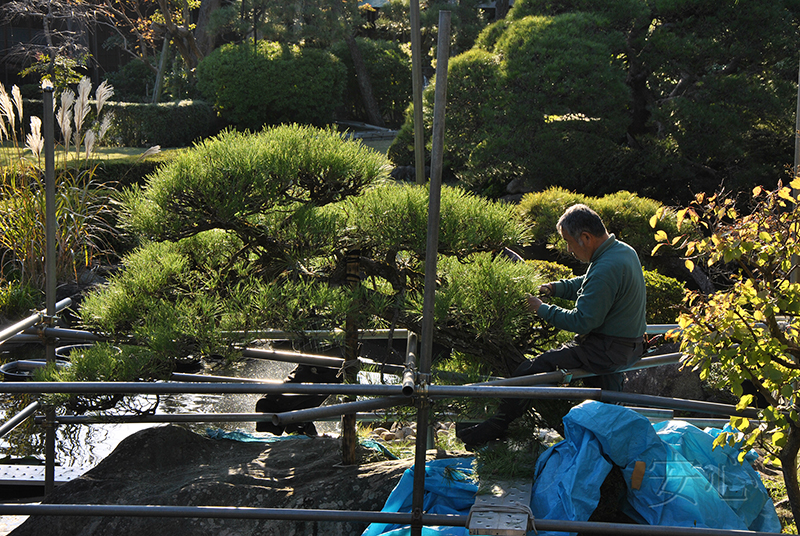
{"x": 9, "y": 154}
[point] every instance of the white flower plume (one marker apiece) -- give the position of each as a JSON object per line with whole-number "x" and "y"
{"x": 16, "y": 94}
{"x": 34, "y": 140}
{"x": 104, "y": 92}
{"x": 6, "y": 108}
{"x": 82, "y": 104}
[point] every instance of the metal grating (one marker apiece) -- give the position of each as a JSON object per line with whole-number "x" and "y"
{"x": 504, "y": 511}
{"x": 28, "y": 475}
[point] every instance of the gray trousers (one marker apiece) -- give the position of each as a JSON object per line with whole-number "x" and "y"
{"x": 600, "y": 354}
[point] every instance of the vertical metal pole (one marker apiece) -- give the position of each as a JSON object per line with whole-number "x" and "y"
{"x": 440, "y": 96}
{"x": 796, "y": 167}
{"x": 431, "y": 253}
{"x": 50, "y": 268}
{"x": 349, "y": 436}
{"x": 416, "y": 80}
{"x": 793, "y": 277}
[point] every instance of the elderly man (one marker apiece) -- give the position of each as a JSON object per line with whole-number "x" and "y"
{"x": 608, "y": 317}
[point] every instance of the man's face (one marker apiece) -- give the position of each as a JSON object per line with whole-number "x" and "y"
{"x": 580, "y": 248}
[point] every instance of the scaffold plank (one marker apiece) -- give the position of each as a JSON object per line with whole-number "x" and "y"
{"x": 503, "y": 511}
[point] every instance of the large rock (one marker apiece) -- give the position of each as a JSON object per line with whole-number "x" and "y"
{"x": 170, "y": 465}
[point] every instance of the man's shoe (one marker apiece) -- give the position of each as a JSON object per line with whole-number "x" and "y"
{"x": 480, "y": 434}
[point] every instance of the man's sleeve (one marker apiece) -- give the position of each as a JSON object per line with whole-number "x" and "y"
{"x": 591, "y": 308}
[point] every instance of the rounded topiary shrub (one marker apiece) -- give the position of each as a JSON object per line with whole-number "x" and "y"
{"x": 271, "y": 83}
{"x": 625, "y": 214}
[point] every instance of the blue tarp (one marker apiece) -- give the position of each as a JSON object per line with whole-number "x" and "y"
{"x": 449, "y": 489}
{"x": 684, "y": 483}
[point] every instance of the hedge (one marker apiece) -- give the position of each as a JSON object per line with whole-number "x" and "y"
{"x": 169, "y": 124}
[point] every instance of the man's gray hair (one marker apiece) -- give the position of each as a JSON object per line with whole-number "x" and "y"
{"x": 578, "y": 219}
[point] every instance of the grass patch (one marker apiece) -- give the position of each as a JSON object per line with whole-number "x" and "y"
{"x": 10, "y": 155}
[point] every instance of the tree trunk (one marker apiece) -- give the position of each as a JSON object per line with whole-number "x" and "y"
{"x": 182, "y": 37}
{"x": 162, "y": 63}
{"x": 205, "y": 40}
{"x": 500, "y": 9}
{"x": 364, "y": 84}
{"x": 638, "y": 74}
{"x": 788, "y": 457}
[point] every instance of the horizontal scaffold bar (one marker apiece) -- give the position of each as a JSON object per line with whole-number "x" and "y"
{"x": 391, "y": 518}
{"x": 438, "y": 391}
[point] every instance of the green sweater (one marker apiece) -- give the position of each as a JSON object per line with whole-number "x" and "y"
{"x": 610, "y": 298}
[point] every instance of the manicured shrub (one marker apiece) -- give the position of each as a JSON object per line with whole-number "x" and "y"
{"x": 133, "y": 82}
{"x": 169, "y": 124}
{"x": 272, "y": 83}
{"x": 624, "y": 214}
{"x": 664, "y": 295}
{"x": 224, "y": 180}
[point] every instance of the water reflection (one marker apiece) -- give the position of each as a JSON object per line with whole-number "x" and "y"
{"x": 79, "y": 445}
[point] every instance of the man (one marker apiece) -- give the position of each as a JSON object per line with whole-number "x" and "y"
{"x": 608, "y": 317}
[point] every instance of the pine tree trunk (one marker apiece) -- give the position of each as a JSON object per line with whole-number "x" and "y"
{"x": 500, "y": 9}
{"x": 364, "y": 84}
{"x": 205, "y": 39}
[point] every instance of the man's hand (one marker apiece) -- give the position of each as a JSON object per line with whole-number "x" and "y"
{"x": 533, "y": 303}
{"x": 546, "y": 289}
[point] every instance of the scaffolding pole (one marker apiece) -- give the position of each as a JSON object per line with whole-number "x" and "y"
{"x": 433, "y": 391}
{"x": 389, "y": 518}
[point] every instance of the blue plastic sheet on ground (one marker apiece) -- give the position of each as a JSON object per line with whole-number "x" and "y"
{"x": 449, "y": 489}
{"x": 684, "y": 483}
{"x": 247, "y": 437}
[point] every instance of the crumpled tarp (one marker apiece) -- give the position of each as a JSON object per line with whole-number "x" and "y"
{"x": 684, "y": 483}
{"x": 450, "y": 488}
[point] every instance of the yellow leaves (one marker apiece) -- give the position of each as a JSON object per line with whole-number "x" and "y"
{"x": 745, "y": 401}
{"x": 786, "y": 193}
{"x": 740, "y": 423}
{"x": 661, "y": 236}
{"x": 689, "y": 265}
{"x": 657, "y": 216}
{"x": 684, "y": 321}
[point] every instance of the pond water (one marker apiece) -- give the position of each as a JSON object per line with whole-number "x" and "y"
{"x": 83, "y": 446}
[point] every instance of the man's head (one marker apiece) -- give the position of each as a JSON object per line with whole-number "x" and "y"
{"x": 583, "y": 230}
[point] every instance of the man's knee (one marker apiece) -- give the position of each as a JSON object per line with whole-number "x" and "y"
{"x": 606, "y": 382}
{"x": 532, "y": 366}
